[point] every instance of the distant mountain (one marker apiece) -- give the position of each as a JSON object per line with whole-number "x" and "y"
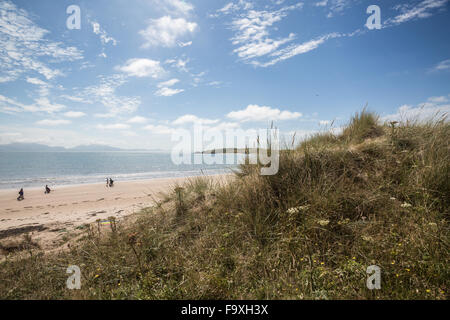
{"x": 36, "y": 147}
{"x": 29, "y": 147}
{"x": 93, "y": 148}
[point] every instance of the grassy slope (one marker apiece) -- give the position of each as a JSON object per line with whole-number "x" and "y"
{"x": 372, "y": 195}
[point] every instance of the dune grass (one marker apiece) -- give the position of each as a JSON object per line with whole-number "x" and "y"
{"x": 377, "y": 194}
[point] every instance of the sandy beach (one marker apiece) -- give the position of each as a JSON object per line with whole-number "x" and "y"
{"x": 48, "y": 217}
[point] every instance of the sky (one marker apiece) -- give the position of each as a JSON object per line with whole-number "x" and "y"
{"x": 137, "y": 71}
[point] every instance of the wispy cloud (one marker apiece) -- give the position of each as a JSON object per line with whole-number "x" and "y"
{"x": 23, "y": 45}
{"x": 252, "y": 32}
{"x": 168, "y": 92}
{"x": 442, "y": 66}
{"x": 414, "y": 11}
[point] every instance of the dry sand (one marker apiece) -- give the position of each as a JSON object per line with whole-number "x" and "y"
{"x": 48, "y": 217}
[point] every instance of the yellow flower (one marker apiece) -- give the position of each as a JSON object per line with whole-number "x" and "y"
{"x": 322, "y": 263}
{"x": 96, "y": 276}
{"x": 408, "y": 269}
{"x": 428, "y": 290}
{"x": 397, "y": 275}
{"x": 393, "y": 262}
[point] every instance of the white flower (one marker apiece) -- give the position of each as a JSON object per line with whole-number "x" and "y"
{"x": 406, "y": 205}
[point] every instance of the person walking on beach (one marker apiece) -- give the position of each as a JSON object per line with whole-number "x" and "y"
{"x": 20, "y": 198}
{"x": 47, "y": 189}
{"x": 111, "y": 182}
{"x": 107, "y": 182}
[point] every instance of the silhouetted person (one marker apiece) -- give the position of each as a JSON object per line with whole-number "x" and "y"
{"x": 47, "y": 189}
{"x": 20, "y": 198}
{"x": 111, "y": 182}
{"x": 107, "y": 182}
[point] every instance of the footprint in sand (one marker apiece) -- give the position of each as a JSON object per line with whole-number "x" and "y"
{"x": 28, "y": 207}
{"x": 86, "y": 201}
{"x": 45, "y": 213}
{"x": 74, "y": 202}
{"x": 101, "y": 199}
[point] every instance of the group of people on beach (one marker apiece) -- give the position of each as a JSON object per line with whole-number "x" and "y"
{"x": 109, "y": 182}
{"x": 21, "y": 193}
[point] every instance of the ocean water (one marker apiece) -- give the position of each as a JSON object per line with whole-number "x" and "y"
{"x": 37, "y": 169}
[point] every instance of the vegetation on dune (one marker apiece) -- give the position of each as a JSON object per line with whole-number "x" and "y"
{"x": 376, "y": 194}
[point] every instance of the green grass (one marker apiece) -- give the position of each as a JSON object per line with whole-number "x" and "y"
{"x": 375, "y": 194}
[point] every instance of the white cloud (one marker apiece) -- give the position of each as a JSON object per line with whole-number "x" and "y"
{"x": 443, "y": 65}
{"x": 189, "y": 118}
{"x": 168, "y": 83}
{"x": 142, "y": 68}
{"x": 50, "y": 122}
{"x": 256, "y": 113}
{"x": 36, "y": 81}
{"x": 168, "y": 92}
{"x": 421, "y": 10}
{"x": 115, "y": 126}
{"x": 23, "y": 45}
{"x": 322, "y": 3}
{"x": 434, "y": 108}
{"x": 74, "y": 114}
{"x": 138, "y": 119}
{"x": 166, "y": 30}
{"x": 105, "y": 39}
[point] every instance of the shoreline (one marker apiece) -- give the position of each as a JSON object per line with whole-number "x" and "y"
{"x": 60, "y": 186}
{"x": 49, "y": 218}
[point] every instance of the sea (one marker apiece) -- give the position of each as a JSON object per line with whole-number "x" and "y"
{"x": 37, "y": 169}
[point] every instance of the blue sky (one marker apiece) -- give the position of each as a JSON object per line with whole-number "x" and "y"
{"x": 138, "y": 70}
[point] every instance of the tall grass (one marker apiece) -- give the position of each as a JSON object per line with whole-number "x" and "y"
{"x": 338, "y": 205}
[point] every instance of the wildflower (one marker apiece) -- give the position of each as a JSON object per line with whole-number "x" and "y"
{"x": 354, "y": 258}
{"x": 322, "y": 263}
{"x": 323, "y": 223}
{"x": 397, "y": 275}
{"x": 96, "y": 276}
{"x": 406, "y": 205}
{"x": 428, "y": 290}
{"x": 408, "y": 270}
{"x": 393, "y": 262}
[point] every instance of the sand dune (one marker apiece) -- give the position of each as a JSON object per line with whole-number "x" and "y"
{"x": 49, "y": 216}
